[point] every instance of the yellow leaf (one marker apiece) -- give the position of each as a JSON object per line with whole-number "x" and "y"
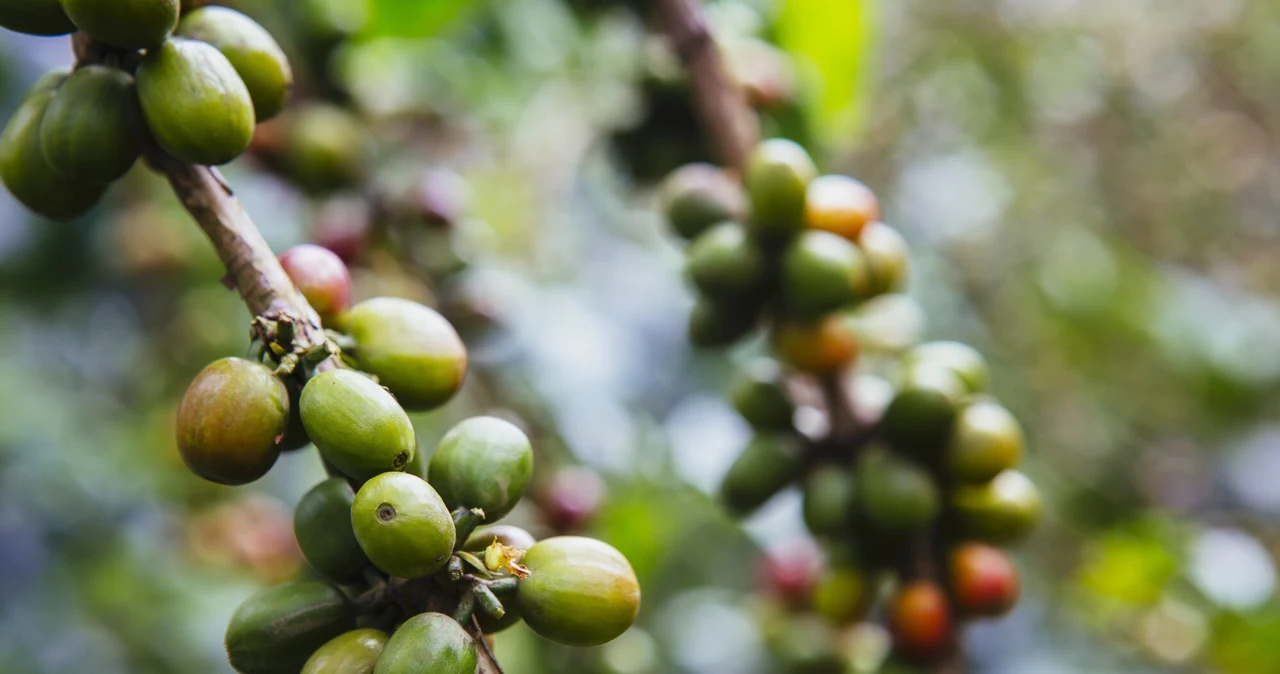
{"x": 831, "y": 42}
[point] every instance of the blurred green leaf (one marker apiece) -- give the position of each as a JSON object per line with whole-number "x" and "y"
{"x": 1130, "y": 567}
{"x": 414, "y": 18}
{"x": 641, "y": 522}
{"x": 1246, "y": 642}
{"x": 832, "y": 40}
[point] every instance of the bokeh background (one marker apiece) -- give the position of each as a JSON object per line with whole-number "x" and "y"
{"x": 1089, "y": 187}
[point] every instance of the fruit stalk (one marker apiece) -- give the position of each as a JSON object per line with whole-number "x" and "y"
{"x": 465, "y": 520}
{"x": 721, "y": 103}
{"x": 843, "y": 427}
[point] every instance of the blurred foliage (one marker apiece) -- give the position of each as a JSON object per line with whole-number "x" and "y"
{"x": 834, "y": 38}
{"x": 1087, "y": 186}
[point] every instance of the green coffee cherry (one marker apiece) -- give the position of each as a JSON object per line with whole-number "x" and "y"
{"x": 715, "y": 324}
{"x": 35, "y": 17}
{"x": 277, "y": 629}
{"x": 322, "y": 525}
{"x": 197, "y": 107}
{"x": 896, "y": 496}
{"x": 962, "y": 359}
{"x": 251, "y": 50}
{"x": 48, "y": 83}
{"x": 428, "y": 643}
{"x": 822, "y": 272}
{"x": 128, "y": 24}
{"x": 411, "y": 348}
{"x": 1002, "y": 511}
{"x": 26, "y": 172}
{"x": 777, "y": 177}
{"x": 356, "y": 424}
{"x": 696, "y": 197}
{"x": 328, "y": 148}
{"x": 921, "y": 416}
{"x": 986, "y": 440}
{"x": 402, "y": 525}
{"x": 483, "y": 462}
{"x": 842, "y": 595}
{"x": 886, "y": 253}
{"x": 92, "y": 131}
{"x": 354, "y": 652}
{"x": 764, "y": 468}
{"x": 723, "y": 264}
{"x": 760, "y": 397}
{"x": 231, "y": 421}
{"x": 580, "y": 591}
{"x": 830, "y": 502}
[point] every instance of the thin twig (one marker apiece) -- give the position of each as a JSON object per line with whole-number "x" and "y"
{"x": 842, "y": 424}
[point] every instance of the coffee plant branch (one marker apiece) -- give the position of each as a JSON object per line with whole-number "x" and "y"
{"x": 734, "y": 129}
{"x": 252, "y": 268}
{"x": 723, "y": 107}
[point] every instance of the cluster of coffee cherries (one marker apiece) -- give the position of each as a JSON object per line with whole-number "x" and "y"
{"x": 195, "y": 88}
{"x": 392, "y": 534}
{"x": 908, "y": 475}
{"x": 795, "y": 248}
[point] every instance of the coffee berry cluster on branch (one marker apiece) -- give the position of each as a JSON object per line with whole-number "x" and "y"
{"x": 911, "y": 481}
{"x": 410, "y": 584}
{"x": 393, "y": 534}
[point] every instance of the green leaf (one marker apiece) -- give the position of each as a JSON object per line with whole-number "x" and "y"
{"x": 831, "y": 42}
{"x": 1130, "y": 566}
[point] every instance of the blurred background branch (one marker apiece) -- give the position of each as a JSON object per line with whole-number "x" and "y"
{"x": 720, "y": 100}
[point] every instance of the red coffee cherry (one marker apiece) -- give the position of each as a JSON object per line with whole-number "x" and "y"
{"x": 572, "y": 497}
{"x": 984, "y": 580}
{"x": 342, "y": 225}
{"x": 790, "y": 574}
{"x": 920, "y": 620}
{"x": 322, "y": 278}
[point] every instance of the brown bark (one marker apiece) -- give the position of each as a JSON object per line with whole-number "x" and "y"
{"x": 251, "y": 266}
